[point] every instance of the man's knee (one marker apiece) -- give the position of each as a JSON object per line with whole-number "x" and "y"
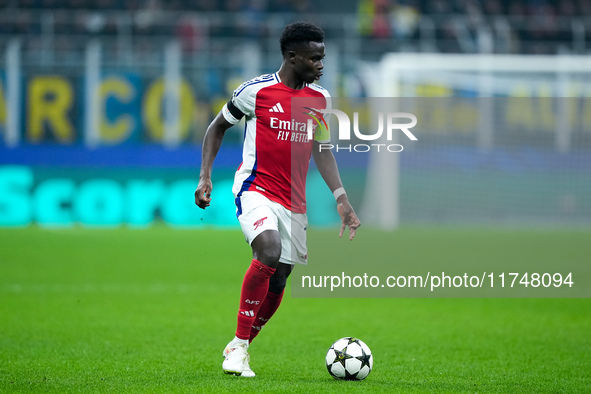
{"x": 269, "y": 256}
{"x": 266, "y": 248}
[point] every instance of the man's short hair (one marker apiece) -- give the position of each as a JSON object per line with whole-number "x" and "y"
{"x": 299, "y": 33}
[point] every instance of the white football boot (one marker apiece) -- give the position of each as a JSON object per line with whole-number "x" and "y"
{"x": 235, "y": 357}
{"x": 246, "y": 371}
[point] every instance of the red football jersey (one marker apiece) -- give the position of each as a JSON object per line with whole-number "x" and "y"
{"x": 276, "y": 151}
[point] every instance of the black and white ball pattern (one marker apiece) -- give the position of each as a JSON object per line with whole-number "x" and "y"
{"x": 350, "y": 359}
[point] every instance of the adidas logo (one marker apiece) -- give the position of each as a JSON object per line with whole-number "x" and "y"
{"x": 277, "y": 108}
{"x": 247, "y": 313}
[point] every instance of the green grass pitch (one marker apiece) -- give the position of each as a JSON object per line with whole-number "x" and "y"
{"x": 151, "y": 310}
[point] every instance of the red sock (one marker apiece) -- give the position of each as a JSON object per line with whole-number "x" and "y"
{"x": 266, "y": 311}
{"x": 254, "y": 289}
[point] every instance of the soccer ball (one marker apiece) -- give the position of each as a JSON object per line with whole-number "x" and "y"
{"x": 349, "y": 358}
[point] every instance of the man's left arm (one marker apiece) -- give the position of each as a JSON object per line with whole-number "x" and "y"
{"x": 327, "y": 166}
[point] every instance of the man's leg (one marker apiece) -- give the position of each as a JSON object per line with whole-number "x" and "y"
{"x": 273, "y": 299}
{"x": 292, "y": 229}
{"x": 266, "y": 249}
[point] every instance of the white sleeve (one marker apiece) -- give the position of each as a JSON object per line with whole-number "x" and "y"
{"x": 244, "y": 98}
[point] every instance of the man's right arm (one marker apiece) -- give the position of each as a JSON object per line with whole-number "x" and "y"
{"x": 211, "y": 145}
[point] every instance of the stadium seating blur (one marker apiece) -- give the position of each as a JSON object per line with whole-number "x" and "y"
{"x": 207, "y": 26}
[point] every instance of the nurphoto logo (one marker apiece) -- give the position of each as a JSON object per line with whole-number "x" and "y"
{"x": 392, "y": 122}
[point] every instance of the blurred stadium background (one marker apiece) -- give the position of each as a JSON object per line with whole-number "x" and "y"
{"x": 103, "y": 105}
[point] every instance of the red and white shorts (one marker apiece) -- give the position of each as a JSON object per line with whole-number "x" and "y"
{"x": 260, "y": 214}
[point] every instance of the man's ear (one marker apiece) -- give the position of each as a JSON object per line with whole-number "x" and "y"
{"x": 291, "y": 56}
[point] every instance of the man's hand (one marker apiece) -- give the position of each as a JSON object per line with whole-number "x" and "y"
{"x": 348, "y": 218}
{"x": 203, "y": 193}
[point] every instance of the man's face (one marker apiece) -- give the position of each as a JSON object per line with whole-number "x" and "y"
{"x": 308, "y": 61}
